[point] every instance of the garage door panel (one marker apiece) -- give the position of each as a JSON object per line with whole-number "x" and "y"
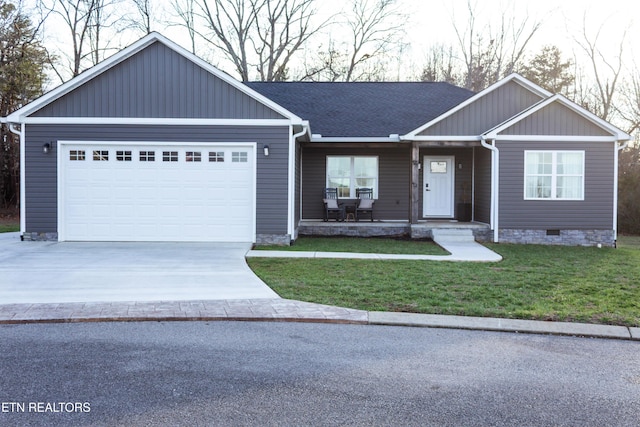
{"x": 154, "y": 200}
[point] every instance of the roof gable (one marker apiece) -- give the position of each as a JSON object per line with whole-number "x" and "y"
{"x": 556, "y": 116}
{"x": 486, "y": 109}
{"x": 363, "y": 109}
{"x": 154, "y": 78}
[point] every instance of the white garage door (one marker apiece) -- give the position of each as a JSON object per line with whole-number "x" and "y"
{"x": 119, "y": 192}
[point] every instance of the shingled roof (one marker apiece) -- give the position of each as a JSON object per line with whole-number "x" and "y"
{"x": 363, "y": 109}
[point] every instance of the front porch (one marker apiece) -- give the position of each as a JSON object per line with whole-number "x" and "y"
{"x": 399, "y": 229}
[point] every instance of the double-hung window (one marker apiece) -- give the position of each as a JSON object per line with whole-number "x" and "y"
{"x": 554, "y": 175}
{"x": 347, "y": 173}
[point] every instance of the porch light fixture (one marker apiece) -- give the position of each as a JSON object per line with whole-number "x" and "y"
{"x": 46, "y": 148}
{"x": 266, "y": 150}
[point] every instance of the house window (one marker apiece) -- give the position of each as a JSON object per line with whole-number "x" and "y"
{"x": 147, "y": 156}
{"x": 169, "y": 156}
{"x": 123, "y": 156}
{"x": 76, "y": 155}
{"x": 554, "y": 175}
{"x": 216, "y": 156}
{"x": 194, "y": 156}
{"x": 346, "y": 173}
{"x": 239, "y": 157}
{"x": 100, "y": 155}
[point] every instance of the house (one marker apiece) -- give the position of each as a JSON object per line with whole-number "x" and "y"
{"x": 155, "y": 144}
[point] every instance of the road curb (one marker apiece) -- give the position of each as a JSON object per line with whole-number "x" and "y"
{"x": 504, "y": 325}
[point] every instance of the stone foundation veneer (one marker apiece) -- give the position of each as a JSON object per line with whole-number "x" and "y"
{"x": 273, "y": 239}
{"x": 566, "y": 237}
{"x": 40, "y": 237}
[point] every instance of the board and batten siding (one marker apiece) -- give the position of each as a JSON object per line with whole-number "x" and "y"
{"x": 555, "y": 119}
{"x": 394, "y": 179}
{"x": 272, "y": 177}
{"x": 486, "y": 112}
{"x": 594, "y": 212}
{"x": 157, "y": 82}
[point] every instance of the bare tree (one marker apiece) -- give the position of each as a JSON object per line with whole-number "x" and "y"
{"x": 282, "y": 27}
{"x": 489, "y": 53}
{"x": 185, "y": 11}
{"x": 145, "y": 11}
{"x": 440, "y": 66}
{"x": 606, "y": 73}
{"x": 85, "y": 22}
{"x": 374, "y": 33}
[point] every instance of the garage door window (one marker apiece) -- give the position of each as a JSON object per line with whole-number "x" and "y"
{"x": 169, "y": 156}
{"x": 216, "y": 156}
{"x": 239, "y": 157}
{"x": 101, "y": 155}
{"x": 147, "y": 156}
{"x": 76, "y": 155}
{"x": 194, "y": 156}
{"x": 123, "y": 156}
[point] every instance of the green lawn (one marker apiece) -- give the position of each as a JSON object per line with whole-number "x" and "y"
{"x": 8, "y": 228}
{"x": 532, "y": 282}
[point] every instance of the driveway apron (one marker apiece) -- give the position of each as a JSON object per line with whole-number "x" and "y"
{"x": 51, "y": 272}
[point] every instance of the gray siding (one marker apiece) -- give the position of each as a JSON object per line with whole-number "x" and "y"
{"x": 157, "y": 83}
{"x": 482, "y": 205}
{"x": 555, "y": 119}
{"x": 463, "y": 190}
{"x": 486, "y": 112}
{"x": 394, "y": 178}
{"x": 272, "y": 176}
{"x": 595, "y": 212}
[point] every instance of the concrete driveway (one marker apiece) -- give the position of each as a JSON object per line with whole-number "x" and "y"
{"x": 50, "y": 272}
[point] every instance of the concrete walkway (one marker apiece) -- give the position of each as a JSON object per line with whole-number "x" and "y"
{"x": 460, "y": 250}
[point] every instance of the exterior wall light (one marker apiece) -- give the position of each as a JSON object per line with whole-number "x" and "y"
{"x": 46, "y": 148}
{"x": 266, "y": 150}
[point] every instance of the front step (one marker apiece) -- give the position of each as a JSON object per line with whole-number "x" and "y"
{"x": 452, "y": 235}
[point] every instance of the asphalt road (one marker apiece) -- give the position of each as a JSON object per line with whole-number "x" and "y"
{"x": 295, "y": 374}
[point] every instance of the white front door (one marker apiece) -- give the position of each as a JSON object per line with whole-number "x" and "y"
{"x": 439, "y": 177}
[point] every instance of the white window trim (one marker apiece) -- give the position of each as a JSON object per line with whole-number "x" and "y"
{"x": 352, "y": 177}
{"x": 554, "y": 175}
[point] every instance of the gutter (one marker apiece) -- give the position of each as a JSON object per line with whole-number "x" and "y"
{"x": 618, "y": 149}
{"x": 292, "y": 171}
{"x": 20, "y": 132}
{"x": 495, "y": 184}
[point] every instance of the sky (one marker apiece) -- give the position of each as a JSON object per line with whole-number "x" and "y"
{"x": 429, "y": 22}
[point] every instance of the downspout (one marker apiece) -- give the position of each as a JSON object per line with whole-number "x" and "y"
{"x": 617, "y": 151}
{"x": 23, "y": 208}
{"x": 495, "y": 184}
{"x": 292, "y": 175}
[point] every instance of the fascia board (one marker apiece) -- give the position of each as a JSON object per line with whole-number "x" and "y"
{"x": 512, "y": 77}
{"x": 19, "y": 115}
{"x": 553, "y": 138}
{"x": 354, "y": 139}
{"x": 436, "y": 138}
{"x": 153, "y": 121}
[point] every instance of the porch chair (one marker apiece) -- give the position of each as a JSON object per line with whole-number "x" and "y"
{"x": 332, "y": 205}
{"x": 365, "y": 202}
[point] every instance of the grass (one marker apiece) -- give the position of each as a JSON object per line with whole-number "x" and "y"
{"x": 9, "y": 228}
{"x": 362, "y": 245}
{"x": 532, "y": 282}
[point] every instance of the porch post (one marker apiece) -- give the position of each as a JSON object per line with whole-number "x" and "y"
{"x": 415, "y": 182}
